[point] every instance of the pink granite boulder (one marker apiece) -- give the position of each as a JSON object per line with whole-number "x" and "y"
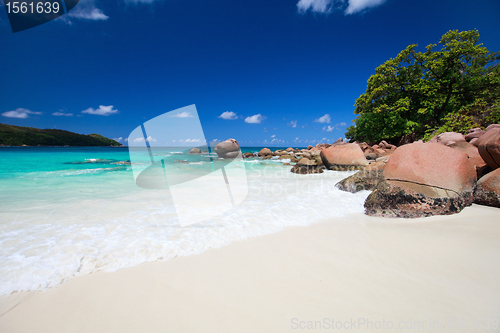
{"x": 423, "y": 180}
{"x": 344, "y": 157}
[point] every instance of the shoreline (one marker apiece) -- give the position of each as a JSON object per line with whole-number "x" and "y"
{"x": 352, "y": 267}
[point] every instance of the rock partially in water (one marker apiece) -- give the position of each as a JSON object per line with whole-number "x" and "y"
{"x": 195, "y": 151}
{"x": 227, "y": 149}
{"x": 345, "y": 157}
{"x": 366, "y": 179}
{"x": 306, "y": 166}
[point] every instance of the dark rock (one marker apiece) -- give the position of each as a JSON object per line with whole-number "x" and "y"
{"x": 407, "y": 138}
{"x": 366, "y": 179}
{"x": 371, "y": 156}
{"x": 487, "y": 190}
{"x": 305, "y": 166}
{"x": 410, "y": 200}
{"x": 386, "y": 146}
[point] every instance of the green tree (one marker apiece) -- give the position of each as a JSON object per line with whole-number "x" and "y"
{"x": 450, "y": 87}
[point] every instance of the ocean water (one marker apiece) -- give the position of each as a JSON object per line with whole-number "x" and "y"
{"x": 66, "y": 212}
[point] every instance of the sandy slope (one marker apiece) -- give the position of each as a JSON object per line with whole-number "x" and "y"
{"x": 352, "y": 270}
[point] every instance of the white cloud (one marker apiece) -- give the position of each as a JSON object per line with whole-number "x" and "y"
{"x": 228, "y": 115}
{"x": 273, "y": 136}
{"x": 356, "y": 6}
{"x": 192, "y": 141}
{"x": 62, "y": 114}
{"x": 119, "y": 139}
{"x": 327, "y": 6}
{"x": 19, "y": 113}
{"x": 317, "y": 6}
{"x": 334, "y": 127}
{"x": 184, "y": 114}
{"x": 101, "y": 111}
{"x": 324, "y": 119}
{"x": 148, "y": 139}
{"x": 255, "y": 119}
{"x": 86, "y": 10}
{"x": 293, "y": 123}
{"x": 328, "y": 128}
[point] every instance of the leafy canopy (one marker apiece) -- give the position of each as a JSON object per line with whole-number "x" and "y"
{"x": 451, "y": 87}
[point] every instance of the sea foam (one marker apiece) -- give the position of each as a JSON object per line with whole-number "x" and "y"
{"x": 113, "y": 224}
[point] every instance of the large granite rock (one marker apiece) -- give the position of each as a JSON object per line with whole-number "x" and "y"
{"x": 474, "y": 158}
{"x": 348, "y": 156}
{"x": 227, "y": 149}
{"x": 366, "y": 179}
{"x": 265, "y": 152}
{"x": 489, "y": 146}
{"x": 305, "y": 166}
{"x": 487, "y": 190}
{"x": 423, "y": 180}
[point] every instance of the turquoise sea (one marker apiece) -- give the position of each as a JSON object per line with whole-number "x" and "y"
{"x": 66, "y": 212}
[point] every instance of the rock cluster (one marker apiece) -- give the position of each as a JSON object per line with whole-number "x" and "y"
{"x": 416, "y": 179}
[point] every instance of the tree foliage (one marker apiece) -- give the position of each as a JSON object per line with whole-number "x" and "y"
{"x": 11, "y": 135}
{"x": 452, "y": 86}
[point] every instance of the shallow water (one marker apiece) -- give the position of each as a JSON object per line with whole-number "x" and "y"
{"x": 72, "y": 211}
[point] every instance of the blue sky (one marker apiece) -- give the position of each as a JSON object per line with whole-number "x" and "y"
{"x": 257, "y": 71}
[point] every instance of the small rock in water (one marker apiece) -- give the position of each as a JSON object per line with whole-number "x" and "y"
{"x": 195, "y": 151}
{"x": 265, "y": 152}
{"x": 305, "y": 166}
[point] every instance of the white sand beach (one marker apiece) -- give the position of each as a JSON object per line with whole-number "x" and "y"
{"x": 428, "y": 274}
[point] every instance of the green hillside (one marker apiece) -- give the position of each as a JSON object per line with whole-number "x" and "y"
{"x": 17, "y": 136}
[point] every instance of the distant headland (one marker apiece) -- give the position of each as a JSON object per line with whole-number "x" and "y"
{"x": 11, "y": 135}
